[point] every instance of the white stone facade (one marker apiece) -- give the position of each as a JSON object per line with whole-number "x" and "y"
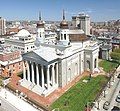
{"x": 55, "y": 65}
{"x": 58, "y": 70}
{"x": 23, "y": 41}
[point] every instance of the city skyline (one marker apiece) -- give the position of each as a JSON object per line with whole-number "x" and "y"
{"x": 102, "y": 10}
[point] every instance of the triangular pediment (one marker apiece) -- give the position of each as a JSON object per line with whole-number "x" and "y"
{"x": 32, "y": 56}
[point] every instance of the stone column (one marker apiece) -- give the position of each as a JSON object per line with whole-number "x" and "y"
{"x": 32, "y": 68}
{"x": 42, "y": 72}
{"x": 48, "y": 77}
{"x": 57, "y": 73}
{"x": 24, "y": 71}
{"x": 53, "y": 75}
{"x": 28, "y": 71}
{"x": 37, "y": 71}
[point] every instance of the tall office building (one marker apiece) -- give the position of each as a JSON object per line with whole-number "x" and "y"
{"x": 82, "y": 21}
{"x": 2, "y": 26}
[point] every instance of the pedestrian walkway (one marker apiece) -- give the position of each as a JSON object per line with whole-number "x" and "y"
{"x": 20, "y": 104}
{"x": 108, "y": 94}
{"x": 44, "y": 101}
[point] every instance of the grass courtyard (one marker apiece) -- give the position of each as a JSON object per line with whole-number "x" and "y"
{"x": 80, "y": 94}
{"x": 107, "y": 65}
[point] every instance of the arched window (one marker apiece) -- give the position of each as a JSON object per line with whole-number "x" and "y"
{"x": 61, "y": 36}
{"x": 95, "y": 63}
{"x": 40, "y": 34}
{"x": 68, "y": 75}
{"x": 76, "y": 68}
{"x": 88, "y": 64}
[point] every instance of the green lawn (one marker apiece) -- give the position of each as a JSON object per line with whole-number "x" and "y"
{"x": 77, "y": 97}
{"x": 107, "y": 65}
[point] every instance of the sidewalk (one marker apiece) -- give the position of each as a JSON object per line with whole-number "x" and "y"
{"x": 20, "y": 104}
{"x": 108, "y": 94}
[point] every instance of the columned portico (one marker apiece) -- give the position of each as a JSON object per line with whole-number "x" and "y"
{"x": 46, "y": 77}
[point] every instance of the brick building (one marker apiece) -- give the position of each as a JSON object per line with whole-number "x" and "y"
{"x": 10, "y": 61}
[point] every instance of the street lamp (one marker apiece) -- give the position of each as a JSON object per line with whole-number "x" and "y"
{"x": 98, "y": 102}
{"x": 104, "y": 93}
{"x": 90, "y": 75}
{"x": 109, "y": 76}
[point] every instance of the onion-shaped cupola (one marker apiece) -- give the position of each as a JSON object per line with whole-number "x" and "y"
{"x": 40, "y": 23}
{"x": 64, "y": 24}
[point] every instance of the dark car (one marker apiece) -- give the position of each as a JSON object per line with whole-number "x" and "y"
{"x": 118, "y": 76}
{"x": 106, "y": 105}
{"x": 115, "y": 108}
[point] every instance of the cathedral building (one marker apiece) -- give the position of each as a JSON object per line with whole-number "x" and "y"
{"x": 54, "y": 65}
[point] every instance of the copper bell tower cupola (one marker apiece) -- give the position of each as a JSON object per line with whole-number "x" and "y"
{"x": 40, "y": 38}
{"x": 64, "y": 32}
{"x": 40, "y": 23}
{"x": 64, "y": 24}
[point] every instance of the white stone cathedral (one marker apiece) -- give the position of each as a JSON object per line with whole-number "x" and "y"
{"x": 56, "y": 64}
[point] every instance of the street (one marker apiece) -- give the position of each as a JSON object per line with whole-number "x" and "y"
{"x": 5, "y": 106}
{"x": 113, "y": 102}
{"x": 10, "y": 102}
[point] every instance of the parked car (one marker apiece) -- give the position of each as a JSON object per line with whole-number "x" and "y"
{"x": 118, "y": 98}
{"x": 106, "y": 105}
{"x": 118, "y": 76}
{"x": 115, "y": 108}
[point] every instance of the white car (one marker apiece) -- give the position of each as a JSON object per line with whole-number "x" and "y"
{"x": 118, "y": 98}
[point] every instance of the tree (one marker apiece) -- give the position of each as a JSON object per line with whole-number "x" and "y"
{"x": 116, "y": 50}
{"x": 115, "y": 55}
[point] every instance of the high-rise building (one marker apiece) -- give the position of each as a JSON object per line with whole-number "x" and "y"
{"x": 2, "y": 26}
{"x": 82, "y": 21}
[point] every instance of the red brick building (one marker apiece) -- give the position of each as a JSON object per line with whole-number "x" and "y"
{"x": 10, "y": 63}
